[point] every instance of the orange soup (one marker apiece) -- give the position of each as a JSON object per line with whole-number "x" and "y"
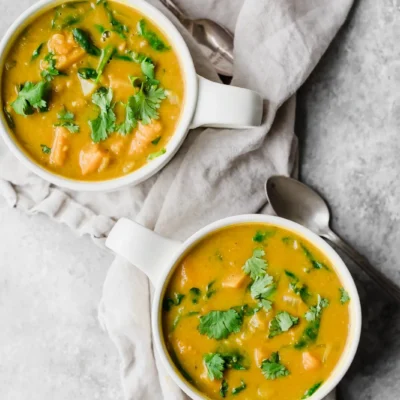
{"x": 255, "y": 312}
{"x": 92, "y": 90}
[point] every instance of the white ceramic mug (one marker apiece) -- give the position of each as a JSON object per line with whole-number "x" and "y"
{"x": 157, "y": 257}
{"x": 205, "y": 103}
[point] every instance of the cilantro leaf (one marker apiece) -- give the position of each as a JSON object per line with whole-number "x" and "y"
{"x": 71, "y": 126}
{"x": 256, "y": 266}
{"x": 31, "y": 96}
{"x": 314, "y": 262}
{"x": 148, "y": 102}
{"x": 282, "y": 322}
{"x": 83, "y": 39}
{"x": 147, "y": 67}
{"x": 223, "y": 391}
{"x": 262, "y": 287}
{"x": 130, "y": 118}
{"x": 209, "y": 289}
{"x": 65, "y": 115}
{"x": 234, "y": 360}
{"x": 220, "y": 324}
{"x": 36, "y": 52}
{"x": 106, "y": 55}
{"x": 152, "y": 156}
{"x": 87, "y": 73}
{"x": 118, "y": 26}
{"x": 313, "y": 316}
{"x": 152, "y": 38}
{"x": 315, "y": 311}
{"x": 260, "y": 236}
{"x": 51, "y": 71}
{"x": 45, "y": 149}
{"x": 298, "y": 287}
{"x": 240, "y": 388}
{"x": 156, "y": 140}
{"x": 344, "y": 296}
{"x": 169, "y": 302}
{"x": 195, "y": 294}
{"x": 215, "y": 365}
{"x": 67, "y": 121}
{"x": 312, "y": 390}
{"x": 104, "y": 124}
{"x": 272, "y": 367}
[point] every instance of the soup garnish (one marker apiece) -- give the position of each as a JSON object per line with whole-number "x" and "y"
{"x": 92, "y": 90}
{"x": 254, "y": 311}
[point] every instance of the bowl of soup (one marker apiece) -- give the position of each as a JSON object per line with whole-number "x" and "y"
{"x": 249, "y": 307}
{"x": 97, "y": 95}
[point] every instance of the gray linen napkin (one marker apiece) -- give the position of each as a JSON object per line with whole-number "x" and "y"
{"x": 217, "y": 172}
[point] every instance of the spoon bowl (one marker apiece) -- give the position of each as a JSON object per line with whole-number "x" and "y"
{"x": 293, "y": 200}
{"x": 297, "y": 202}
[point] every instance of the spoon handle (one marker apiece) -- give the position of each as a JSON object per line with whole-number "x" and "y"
{"x": 386, "y": 284}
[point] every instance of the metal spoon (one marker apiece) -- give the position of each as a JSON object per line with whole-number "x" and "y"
{"x": 215, "y": 40}
{"x": 293, "y": 200}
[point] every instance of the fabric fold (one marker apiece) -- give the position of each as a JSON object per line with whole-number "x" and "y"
{"x": 216, "y": 173}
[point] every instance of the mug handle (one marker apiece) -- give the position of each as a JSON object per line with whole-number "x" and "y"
{"x": 224, "y": 106}
{"x": 141, "y": 247}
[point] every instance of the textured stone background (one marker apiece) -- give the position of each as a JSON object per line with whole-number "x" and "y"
{"x": 349, "y": 125}
{"x": 51, "y": 346}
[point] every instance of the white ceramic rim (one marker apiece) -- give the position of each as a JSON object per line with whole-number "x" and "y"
{"x": 143, "y": 173}
{"x": 340, "y": 268}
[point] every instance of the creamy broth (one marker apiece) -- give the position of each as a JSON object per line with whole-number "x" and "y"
{"x": 63, "y": 50}
{"x": 255, "y": 312}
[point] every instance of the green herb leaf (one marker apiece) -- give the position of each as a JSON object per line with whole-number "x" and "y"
{"x": 209, "y": 289}
{"x": 220, "y": 324}
{"x": 223, "y": 391}
{"x": 215, "y": 365}
{"x": 312, "y": 390}
{"x": 234, "y": 360}
{"x": 195, "y": 294}
{"x": 169, "y": 302}
{"x": 73, "y": 128}
{"x": 313, "y": 316}
{"x": 148, "y": 102}
{"x": 31, "y": 96}
{"x": 83, "y": 39}
{"x": 100, "y": 28}
{"x": 37, "y": 51}
{"x": 148, "y": 67}
{"x": 106, "y": 55}
{"x": 260, "y": 236}
{"x": 130, "y": 118}
{"x": 314, "y": 262}
{"x": 156, "y": 140}
{"x": 104, "y": 124}
{"x": 344, "y": 296}
{"x": 118, "y": 26}
{"x": 180, "y": 317}
{"x": 315, "y": 311}
{"x": 152, "y": 156}
{"x": 239, "y": 389}
{"x": 87, "y": 73}
{"x": 282, "y": 322}
{"x": 65, "y": 115}
{"x": 152, "y": 38}
{"x": 45, "y": 149}
{"x": 256, "y": 266}
{"x": 137, "y": 57}
{"x": 272, "y": 367}
{"x": 51, "y": 71}
{"x": 298, "y": 287}
{"x": 262, "y": 287}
